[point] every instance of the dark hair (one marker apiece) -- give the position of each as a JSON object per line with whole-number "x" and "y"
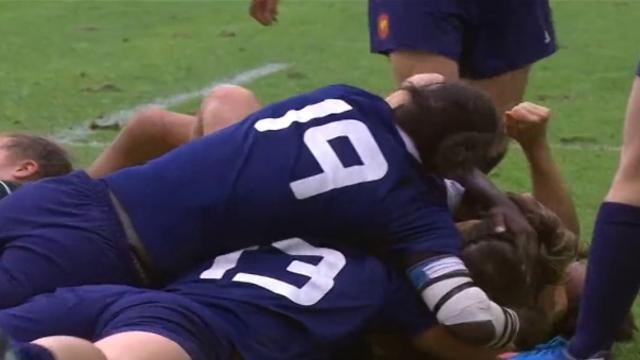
{"x": 454, "y": 126}
{"x": 497, "y": 268}
{"x": 52, "y": 159}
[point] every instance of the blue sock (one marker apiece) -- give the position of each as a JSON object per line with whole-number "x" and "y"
{"x": 29, "y": 351}
{"x": 613, "y": 278}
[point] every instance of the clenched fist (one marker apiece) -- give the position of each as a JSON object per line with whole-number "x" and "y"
{"x": 527, "y": 124}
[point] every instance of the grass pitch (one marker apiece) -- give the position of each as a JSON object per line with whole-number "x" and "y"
{"x": 66, "y": 62}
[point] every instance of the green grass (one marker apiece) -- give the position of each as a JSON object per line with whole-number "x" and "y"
{"x": 63, "y": 62}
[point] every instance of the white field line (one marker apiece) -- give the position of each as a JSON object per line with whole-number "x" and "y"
{"x": 79, "y": 135}
{"x": 587, "y": 147}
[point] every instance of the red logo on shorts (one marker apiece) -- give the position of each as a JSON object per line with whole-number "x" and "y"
{"x": 383, "y": 26}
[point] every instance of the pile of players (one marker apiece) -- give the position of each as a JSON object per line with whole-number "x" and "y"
{"x": 300, "y": 230}
{"x": 334, "y": 224}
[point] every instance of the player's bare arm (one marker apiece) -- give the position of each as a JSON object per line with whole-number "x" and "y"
{"x": 527, "y": 123}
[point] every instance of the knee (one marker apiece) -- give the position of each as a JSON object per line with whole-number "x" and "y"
{"x": 230, "y": 94}
{"x": 146, "y": 121}
{"x": 147, "y": 116}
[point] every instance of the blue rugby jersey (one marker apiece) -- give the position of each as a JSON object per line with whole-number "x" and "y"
{"x": 293, "y": 300}
{"x": 289, "y": 300}
{"x": 327, "y": 163}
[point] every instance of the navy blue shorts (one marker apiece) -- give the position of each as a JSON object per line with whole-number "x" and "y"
{"x": 486, "y": 38}
{"x": 638, "y": 70}
{"x": 96, "y": 312}
{"x": 60, "y": 232}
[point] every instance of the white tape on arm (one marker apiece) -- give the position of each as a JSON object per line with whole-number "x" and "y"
{"x": 451, "y": 295}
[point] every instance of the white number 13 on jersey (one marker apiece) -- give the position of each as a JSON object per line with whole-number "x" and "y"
{"x": 321, "y": 276}
{"x": 334, "y": 175}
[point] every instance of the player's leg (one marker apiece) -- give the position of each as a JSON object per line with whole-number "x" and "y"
{"x": 149, "y": 134}
{"x": 156, "y": 131}
{"x": 507, "y": 89}
{"x": 139, "y": 345}
{"x": 506, "y": 39}
{"x": 74, "y": 311}
{"x": 406, "y": 63}
{"x": 418, "y": 36}
{"x": 56, "y": 348}
{"x": 224, "y": 106}
{"x": 123, "y": 346}
{"x": 157, "y": 325}
{"x": 613, "y": 276}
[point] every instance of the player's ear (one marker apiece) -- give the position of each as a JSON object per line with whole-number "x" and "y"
{"x": 26, "y": 170}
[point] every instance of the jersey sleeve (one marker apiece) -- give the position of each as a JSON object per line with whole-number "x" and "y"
{"x": 421, "y": 221}
{"x": 403, "y": 312}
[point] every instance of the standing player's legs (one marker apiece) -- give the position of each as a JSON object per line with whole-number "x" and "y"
{"x": 406, "y": 63}
{"x": 507, "y": 89}
{"x": 482, "y": 43}
{"x": 613, "y": 276}
{"x": 418, "y": 36}
{"x": 156, "y": 131}
{"x": 503, "y": 39}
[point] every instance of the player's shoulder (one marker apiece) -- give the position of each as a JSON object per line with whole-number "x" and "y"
{"x": 7, "y": 188}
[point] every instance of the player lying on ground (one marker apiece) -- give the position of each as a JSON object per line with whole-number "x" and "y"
{"x": 288, "y": 300}
{"x": 473, "y": 254}
{"x": 246, "y": 302}
{"x": 613, "y": 277}
{"x": 288, "y": 169}
{"x": 26, "y": 158}
{"x": 162, "y": 325}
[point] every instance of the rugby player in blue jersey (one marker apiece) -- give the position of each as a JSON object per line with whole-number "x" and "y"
{"x": 58, "y": 313}
{"x": 257, "y": 302}
{"x": 26, "y": 158}
{"x": 613, "y": 275}
{"x": 289, "y": 300}
{"x": 338, "y": 162}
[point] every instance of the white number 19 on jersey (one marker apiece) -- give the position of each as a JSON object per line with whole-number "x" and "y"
{"x": 334, "y": 175}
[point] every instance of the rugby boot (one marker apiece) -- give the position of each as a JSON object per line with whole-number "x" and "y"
{"x": 556, "y": 349}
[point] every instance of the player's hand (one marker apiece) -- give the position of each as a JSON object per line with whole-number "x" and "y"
{"x": 264, "y": 11}
{"x": 507, "y": 217}
{"x": 527, "y": 124}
